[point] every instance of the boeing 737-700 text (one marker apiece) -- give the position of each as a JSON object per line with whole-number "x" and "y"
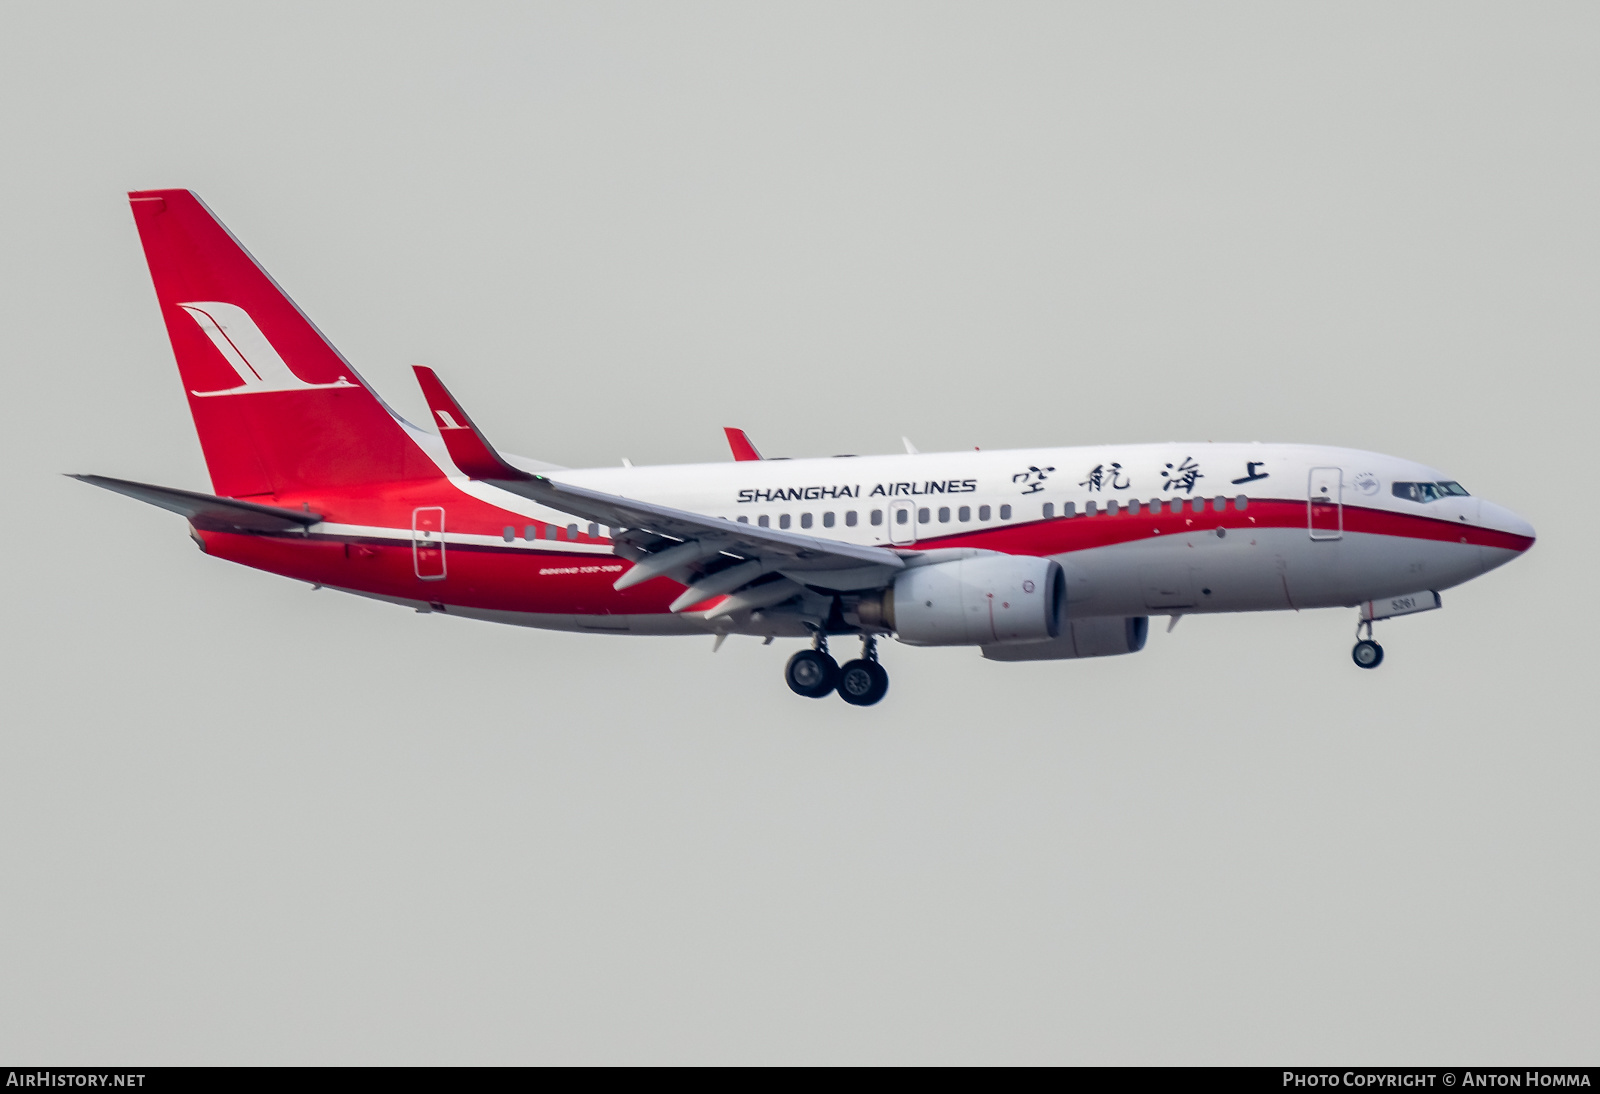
{"x": 1030, "y": 555}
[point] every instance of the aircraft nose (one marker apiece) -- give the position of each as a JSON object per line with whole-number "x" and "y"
{"x": 1502, "y": 519}
{"x": 1516, "y": 535}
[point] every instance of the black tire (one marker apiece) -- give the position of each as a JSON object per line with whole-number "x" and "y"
{"x": 1367, "y": 654}
{"x": 862, "y": 683}
{"x": 811, "y": 674}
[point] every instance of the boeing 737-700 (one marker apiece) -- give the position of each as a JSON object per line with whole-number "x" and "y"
{"x": 1029, "y": 555}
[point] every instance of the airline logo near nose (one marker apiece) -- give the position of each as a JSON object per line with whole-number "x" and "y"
{"x": 260, "y": 367}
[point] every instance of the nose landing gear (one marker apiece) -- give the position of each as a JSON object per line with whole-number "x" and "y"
{"x": 813, "y": 673}
{"x": 1367, "y": 654}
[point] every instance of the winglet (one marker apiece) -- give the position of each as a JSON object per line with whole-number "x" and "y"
{"x": 742, "y": 448}
{"x": 468, "y": 448}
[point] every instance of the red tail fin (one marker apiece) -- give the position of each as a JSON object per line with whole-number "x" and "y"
{"x": 278, "y": 410}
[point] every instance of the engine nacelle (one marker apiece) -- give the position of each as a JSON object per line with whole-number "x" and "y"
{"x": 989, "y": 600}
{"x": 1104, "y": 637}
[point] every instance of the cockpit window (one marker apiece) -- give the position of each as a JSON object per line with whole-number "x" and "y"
{"x": 1424, "y": 492}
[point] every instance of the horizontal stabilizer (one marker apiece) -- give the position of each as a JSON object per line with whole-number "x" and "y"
{"x": 208, "y": 511}
{"x": 469, "y": 449}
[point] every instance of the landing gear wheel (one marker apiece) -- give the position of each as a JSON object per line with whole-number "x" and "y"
{"x": 862, "y": 683}
{"x": 811, "y": 673}
{"x": 1367, "y": 654}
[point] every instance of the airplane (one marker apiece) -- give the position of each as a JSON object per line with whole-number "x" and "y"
{"x": 1031, "y": 554}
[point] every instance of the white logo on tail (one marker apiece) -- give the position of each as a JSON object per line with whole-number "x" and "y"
{"x": 242, "y": 344}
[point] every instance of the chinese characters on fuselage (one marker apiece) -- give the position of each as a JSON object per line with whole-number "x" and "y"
{"x": 1100, "y": 477}
{"x": 1182, "y": 477}
{"x": 1032, "y": 479}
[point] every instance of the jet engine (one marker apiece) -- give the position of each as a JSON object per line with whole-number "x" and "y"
{"x": 988, "y": 600}
{"x": 1102, "y": 637}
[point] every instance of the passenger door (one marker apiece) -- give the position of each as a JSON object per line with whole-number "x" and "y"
{"x": 1325, "y": 504}
{"x": 427, "y": 542}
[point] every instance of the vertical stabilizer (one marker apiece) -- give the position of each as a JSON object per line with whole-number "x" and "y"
{"x": 278, "y": 410}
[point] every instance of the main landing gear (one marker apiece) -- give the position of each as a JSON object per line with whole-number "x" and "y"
{"x": 1367, "y": 654}
{"x": 813, "y": 674}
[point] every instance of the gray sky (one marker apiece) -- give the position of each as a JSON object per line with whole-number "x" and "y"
{"x": 241, "y": 821}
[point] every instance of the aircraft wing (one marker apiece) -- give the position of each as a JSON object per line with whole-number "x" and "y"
{"x": 776, "y": 550}
{"x": 795, "y": 551}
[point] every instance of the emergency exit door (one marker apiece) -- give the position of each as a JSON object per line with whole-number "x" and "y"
{"x": 1324, "y": 503}
{"x": 902, "y": 522}
{"x": 427, "y": 542}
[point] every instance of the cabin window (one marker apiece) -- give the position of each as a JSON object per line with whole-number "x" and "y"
{"x": 902, "y": 515}
{"x": 1069, "y": 509}
{"x": 594, "y": 530}
{"x": 783, "y": 520}
{"x": 805, "y": 520}
{"x": 850, "y": 518}
{"x": 1090, "y": 508}
{"x": 1241, "y": 503}
{"x": 1049, "y": 510}
{"x": 572, "y": 532}
{"x": 1133, "y": 507}
{"x": 1218, "y": 505}
{"x": 764, "y": 521}
{"x": 1005, "y": 512}
{"x": 742, "y": 520}
{"x": 531, "y": 532}
{"x": 552, "y": 532}
{"x": 922, "y": 516}
{"x": 944, "y": 514}
{"x": 510, "y": 533}
{"x": 877, "y": 517}
{"x": 827, "y": 520}
{"x": 983, "y": 512}
{"x": 1111, "y": 507}
{"x": 964, "y": 514}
